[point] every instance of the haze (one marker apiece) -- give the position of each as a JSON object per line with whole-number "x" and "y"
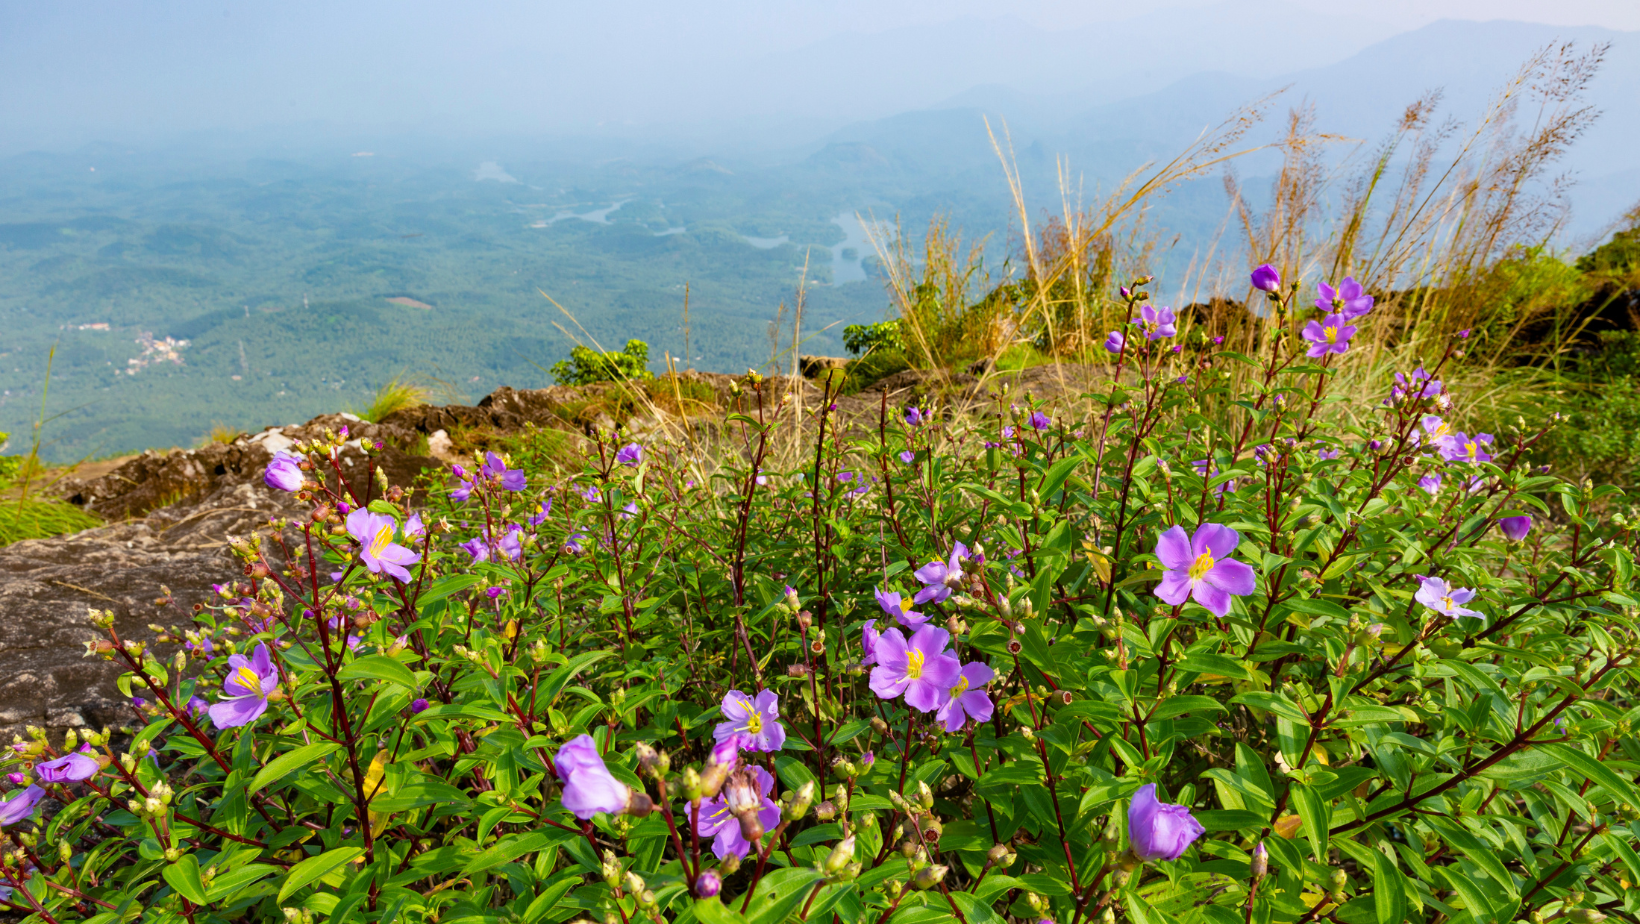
{"x": 740, "y": 71}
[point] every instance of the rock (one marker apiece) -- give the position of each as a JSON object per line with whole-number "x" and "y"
{"x": 439, "y": 445}
{"x": 814, "y": 366}
{"x": 47, "y": 587}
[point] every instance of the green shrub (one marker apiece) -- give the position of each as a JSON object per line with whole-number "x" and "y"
{"x": 884, "y": 336}
{"x": 586, "y": 366}
{"x": 674, "y": 688}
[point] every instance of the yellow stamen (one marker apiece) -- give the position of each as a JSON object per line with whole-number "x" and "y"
{"x": 1469, "y": 448}
{"x": 960, "y": 688}
{"x": 1332, "y": 334}
{"x": 754, "y": 723}
{"x": 380, "y": 541}
{"x": 913, "y": 664}
{"x": 1202, "y": 565}
{"x": 247, "y": 678}
{"x": 905, "y": 605}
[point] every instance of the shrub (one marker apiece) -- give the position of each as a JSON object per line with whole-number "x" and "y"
{"x": 1160, "y": 667}
{"x": 586, "y": 366}
{"x": 884, "y": 336}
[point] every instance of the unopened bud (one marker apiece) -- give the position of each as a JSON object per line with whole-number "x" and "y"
{"x": 708, "y": 884}
{"x": 1259, "y": 866}
{"x": 925, "y": 796}
{"x": 1001, "y": 857}
{"x": 825, "y": 811}
{"x": 929, "y": 876}
{"x": 840, "y": 857}
{"x": 798, "y": 806}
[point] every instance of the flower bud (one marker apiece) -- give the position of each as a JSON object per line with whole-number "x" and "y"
{"x": 878, "y": 725}
{"x": 929, "y": 876}
{"x": 638, "y": 804}
{"x": 1259, "y": 866}
{"x": 1037, "y": 903}
{"x": 729, "y": 864}
{"x": 840, "y": 857}
{"x": 1337, "y": 881}
{"x": 798, "y": 804}
{"x": 1001, "y": 857}
{"x": 708, "y": 884}
{"x": 925, "y": 796}
{"x": 1585, "y": 916}
{"x": 825, "y": 811}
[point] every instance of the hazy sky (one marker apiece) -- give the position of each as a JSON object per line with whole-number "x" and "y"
{"x": 137, "y": 70}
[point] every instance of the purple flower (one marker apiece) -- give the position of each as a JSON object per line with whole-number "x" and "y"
{"x": 919, "y": 668}
{"x": 477, "y": 549}
{"x": 542, "y": 511}
{"x": 197, "y": 706}
{"x": 284, "y": 473}
{"x": 1328, "y": 335}
{"x": 629, "y": 511}
{"x": 940, "y": 578}
{"x": 575, "y": 544}
{"x": 1156, "y": 323}
{"x": 414, "y": 527}
{"x": 68, "y": 768}
{"x": 845, "y": 477}
{"x": 914, "y": 416}
{"x": 708, "y": 884}
{"x": 1445, "y": 599}
{"x": 1040, "y": 421}
{"x": 900, "y": 608}
{"x": 1199, "y": 568}
{"x": 1326, "y": 454}
{"x": 588, "y": 787}
{"x": 868, "y": 643}
{"x": 1266, "y": 279}
{"x": 1157, "y": 830}
{"x": 512, "y": 479}
{"x": 462, "y": 491}
{"x": 374, "y": 532}
{"x": 907, "y": 456}
{"x": 630, "y": 455}
{"x": 246, "y": 687}
{"x": 718, "y": 821}
{"x": 757, "y": 722}
{"x": 967, "y": 700}
{"x": 1347, "y": 300}
{"x": 20, "y": 806}
{"x": 591, "y": 495}
{"x": 1437, "y": 432}
{"x": 418, "y": 705}
{"x": 1431, "y": 483}
{"x": 16, "y": 779}
{"x": 1460, "y": 447}
{"x": 1515, "y": 528}
{"x": 1115, "y": 342}
{"x": 1419, "y": 385}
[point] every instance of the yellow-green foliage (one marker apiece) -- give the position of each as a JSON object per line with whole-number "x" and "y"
{"x": 397, "y": 394}
{"x": 36, "y": 518}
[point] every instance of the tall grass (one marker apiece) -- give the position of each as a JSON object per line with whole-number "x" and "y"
{"x": 1448, "y": 227}
{"x": 400, "y": 393}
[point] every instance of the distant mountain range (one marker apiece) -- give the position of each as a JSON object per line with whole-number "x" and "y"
{"x": 1360, "y": 97}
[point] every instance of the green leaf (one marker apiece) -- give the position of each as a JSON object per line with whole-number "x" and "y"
{"x": 1179, "y": 705}
{"x": 975, "y": 910}
{"x": 1056, "y": 476}
{"x": 232, "y": 881}
{"x": 183, "y": 875}
{"x": 1581, "y": 763}
{"x": 304, "y": 756}
{"x": 780, "y": 893}
{"x": 380, "y": 667}
{"x": 1273, "y": 703}
{"x": 510, "y": 849}
{"x": 712, "y": 911}
{"x": 1389, "y": 890}
{"x": 445, "y": 586}
{"x": 1313, "y": 813}
{"x": 313, "y": 869}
